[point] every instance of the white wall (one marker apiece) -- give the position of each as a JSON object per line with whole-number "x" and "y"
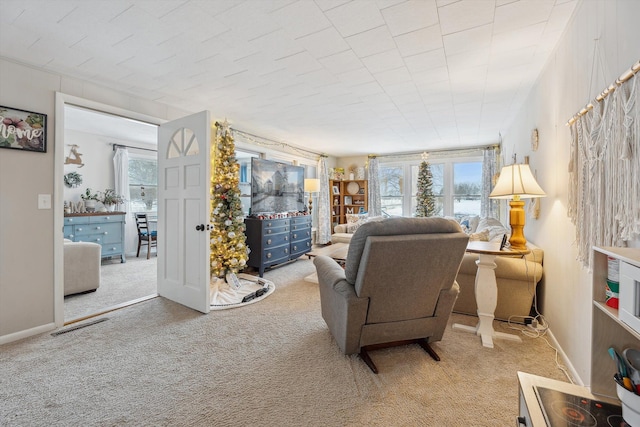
{"x": 27, "y": 234}
{"x": 562, "y": 90}
{"x": 97, "y": 157}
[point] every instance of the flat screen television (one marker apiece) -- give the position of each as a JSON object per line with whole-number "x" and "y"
{"x": 276, "y": 187}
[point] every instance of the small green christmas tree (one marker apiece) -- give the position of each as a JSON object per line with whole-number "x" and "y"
{"x": 426, "y": 201}
{"x": 229, "y": 252}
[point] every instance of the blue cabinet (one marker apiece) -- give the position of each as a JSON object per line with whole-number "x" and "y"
{"x": 104, "y": 228}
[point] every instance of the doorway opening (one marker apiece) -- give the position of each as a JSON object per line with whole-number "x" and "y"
{"x": 94, "y": 135}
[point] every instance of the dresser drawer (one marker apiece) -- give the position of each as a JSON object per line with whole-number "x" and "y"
{"x": 111, "y": 249}
{"x": 300, "y": 235}
{"x": 274, "y": 223}
{"x": 276, "y": 255}
{"x": 106, "y": 218}
{"x": 299, "y": 248}
{"x": 275, "y": 230}
{"x": 76, "y": 220}
{"x": 100, "y": 229}
{"x": 274, "y": 240}
{"x": 300, "y": 222}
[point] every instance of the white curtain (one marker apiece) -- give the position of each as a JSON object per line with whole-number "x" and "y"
{"x": 121, "y": 174}
{"x": 375, "y": 204}
{"x": 489, "y": 208}
{"x": 324, "y": 219}
{"x": 604, "y": 172}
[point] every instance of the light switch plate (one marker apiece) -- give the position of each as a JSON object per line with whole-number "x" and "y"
{"x": 44, "y": 201}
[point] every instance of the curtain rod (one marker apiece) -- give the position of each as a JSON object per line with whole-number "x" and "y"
{"x": 130, "y": 146}
{"x": 613, "y": 86}
{"x": 442, "y": 150}
{"x": 293, "y": 147}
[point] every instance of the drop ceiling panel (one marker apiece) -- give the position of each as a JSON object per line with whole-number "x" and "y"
{"x": 344, "y": 76}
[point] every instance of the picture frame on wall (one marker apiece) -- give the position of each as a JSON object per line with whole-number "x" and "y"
{"x": 23, "y": 130}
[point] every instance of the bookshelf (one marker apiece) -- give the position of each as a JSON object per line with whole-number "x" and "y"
{"x": 347, "y": 197}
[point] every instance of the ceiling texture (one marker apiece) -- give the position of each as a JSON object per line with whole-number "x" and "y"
{"x": 335, "y": 76}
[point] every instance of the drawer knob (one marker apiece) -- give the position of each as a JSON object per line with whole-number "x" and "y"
{"x": 295, "y": 248}
{"x": 268, "y": 241}
{"x": 268, "y": 255}
{"x": 98, "y": 228}
{"x": 268, "y": 231}
{"x": 286, "y": 251}
{"x": 105, "y": 233}
{"x": 79, "y": 229}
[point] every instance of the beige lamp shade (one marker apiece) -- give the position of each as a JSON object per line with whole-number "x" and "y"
{"x": 311, "y": 185}
{"x": 516, "y": 180}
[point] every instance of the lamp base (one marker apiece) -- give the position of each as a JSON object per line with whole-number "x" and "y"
{"x": 516, "y": 221}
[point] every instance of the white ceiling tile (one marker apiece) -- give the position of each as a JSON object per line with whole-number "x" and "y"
{"x": 323, "y": 43}
{"x": 354, "y": 77}
{"x": 371, "y": 42}
{"x": 518, "y": 38}
{"x": 422, "y": 40}
{"x": 426, "y": 61}
{"x": 342, "y": 62}
{"x": 301, "y": 18}
{"x": 355, "y": 17}
{"x": 384, "y": 61}
{"x": 410, "y": 16}
{"x": 465, "y": 14}
{"x": 393, "y": 77}
{"x": 325, "y": 5}
{"x": 521, "y": 14}
{"x": 468, "y": 40}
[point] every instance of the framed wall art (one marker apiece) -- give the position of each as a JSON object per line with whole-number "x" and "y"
{"x": 23, "y": 130}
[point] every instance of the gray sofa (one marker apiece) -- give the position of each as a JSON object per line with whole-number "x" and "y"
{"x": 398, "y": 284}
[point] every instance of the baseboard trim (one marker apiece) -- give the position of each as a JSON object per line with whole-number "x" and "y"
{"x": 5, "y": 339}
{"x": 575, "y": 377}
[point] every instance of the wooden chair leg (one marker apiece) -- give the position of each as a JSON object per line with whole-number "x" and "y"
{"x": 425, "y": 345}
{"x": 139, "y": 244}
{"x": 149, "y": 248}
{"x": 364, "y": 355}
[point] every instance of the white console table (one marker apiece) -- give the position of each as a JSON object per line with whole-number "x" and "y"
{"x": 486, "y": 289}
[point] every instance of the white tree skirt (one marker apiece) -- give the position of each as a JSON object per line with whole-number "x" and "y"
{"x": 224, "y": 296}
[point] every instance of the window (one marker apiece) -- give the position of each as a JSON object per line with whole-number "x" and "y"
{"x": 143, "y": 183}
{"x": 391, "y": 189}
{"x": 456, "y": 185}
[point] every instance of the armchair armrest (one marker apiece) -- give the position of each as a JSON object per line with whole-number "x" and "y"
{"x": 340, "y": 228}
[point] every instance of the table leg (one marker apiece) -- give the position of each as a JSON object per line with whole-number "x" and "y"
{"x": 486, "y": 289}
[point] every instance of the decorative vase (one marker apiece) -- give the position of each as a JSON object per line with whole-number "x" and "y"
{"x": 352, "y": 176}
{"x": 360, "y": 173}
{"x": 90, "y": 205}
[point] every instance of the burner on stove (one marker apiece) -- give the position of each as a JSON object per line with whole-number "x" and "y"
{"x": 567, "y": 410}
{"x": 573, "y": 414}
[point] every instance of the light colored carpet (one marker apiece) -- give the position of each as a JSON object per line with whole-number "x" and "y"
{"x": 119, "y": 283}
{"x": 270, "y": 364}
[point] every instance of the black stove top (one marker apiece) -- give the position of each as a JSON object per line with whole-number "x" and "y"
{"x": 567, "y": 410}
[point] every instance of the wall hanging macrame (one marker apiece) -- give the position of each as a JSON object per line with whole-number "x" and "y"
{"x": 604, "y": 170}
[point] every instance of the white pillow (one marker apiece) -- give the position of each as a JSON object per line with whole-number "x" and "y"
{"x": 352, "y": 218}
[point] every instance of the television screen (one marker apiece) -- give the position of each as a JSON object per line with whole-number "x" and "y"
{"x": 276, "y": 187}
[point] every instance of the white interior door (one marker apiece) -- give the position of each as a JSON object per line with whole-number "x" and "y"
{"x": 184, "y": 182}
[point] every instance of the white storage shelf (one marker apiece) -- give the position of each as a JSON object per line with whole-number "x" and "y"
{"x": 608, "y": 330}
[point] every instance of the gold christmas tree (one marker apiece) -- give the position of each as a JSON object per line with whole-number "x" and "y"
{"x": 229, "y": 252}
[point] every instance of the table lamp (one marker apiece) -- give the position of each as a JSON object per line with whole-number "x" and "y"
{"x": 311, "y": 185}
{"x": 516, "y": 182}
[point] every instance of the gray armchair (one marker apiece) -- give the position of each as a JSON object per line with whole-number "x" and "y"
{"x": 398, "y": 285}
